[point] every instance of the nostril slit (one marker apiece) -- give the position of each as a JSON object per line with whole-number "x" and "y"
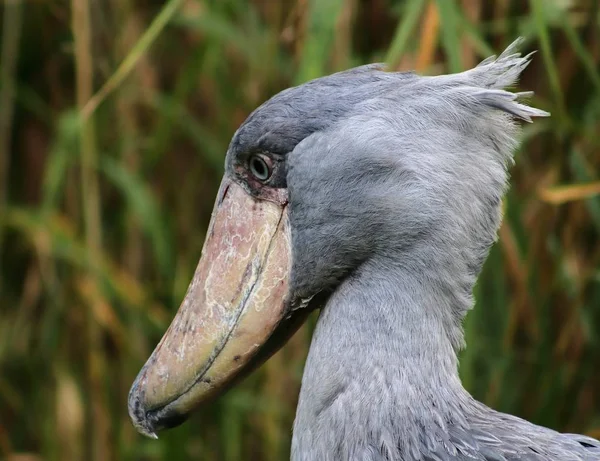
{"x": 222, "y": 196}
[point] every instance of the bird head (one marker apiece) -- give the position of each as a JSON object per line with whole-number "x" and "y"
{"x": 363, "y": 165}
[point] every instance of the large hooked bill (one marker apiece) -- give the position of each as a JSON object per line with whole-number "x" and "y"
{"x": 236, "y": 312}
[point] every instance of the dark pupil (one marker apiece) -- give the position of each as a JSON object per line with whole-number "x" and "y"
{"x": 259, "y": 168}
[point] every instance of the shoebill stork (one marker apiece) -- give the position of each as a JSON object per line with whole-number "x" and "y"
{"x": 373, "y": 196}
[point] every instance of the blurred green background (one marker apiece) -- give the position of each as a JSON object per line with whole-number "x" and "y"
{"x": 115, "y": 116}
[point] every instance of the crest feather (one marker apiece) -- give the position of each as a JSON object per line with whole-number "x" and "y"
{"x": 493, "y": 75}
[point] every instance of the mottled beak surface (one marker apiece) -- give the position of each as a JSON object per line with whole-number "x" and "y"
{"x": 236, "y": 300}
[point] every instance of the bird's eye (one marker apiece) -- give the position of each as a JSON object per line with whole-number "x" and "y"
{"x": 261, "y": 167}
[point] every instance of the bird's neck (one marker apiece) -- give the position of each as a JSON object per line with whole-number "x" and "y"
{"x": 381, "y": 365}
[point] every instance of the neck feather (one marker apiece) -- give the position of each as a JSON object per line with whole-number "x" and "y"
{"x": 381, "y": 365}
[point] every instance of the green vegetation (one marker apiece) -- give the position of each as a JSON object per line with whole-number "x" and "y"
{"x": 114, "y": 120}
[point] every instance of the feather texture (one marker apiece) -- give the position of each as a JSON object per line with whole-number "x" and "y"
{"x": 424, "y": 161}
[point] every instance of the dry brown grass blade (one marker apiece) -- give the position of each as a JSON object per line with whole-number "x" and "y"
{"x": 104, "y": 313}
{"x": 472, "y": 10}
{"x": 97, "y": 418}
{"x": 70, "y": 411}
{"x": 520, "y": 313}
{"x": 428, "y": 37}
{"x": 563, "y": 194}
{"x": 24, "y": 457}
{"x": 342, "y": 45}
{"x": 127, "y": 115}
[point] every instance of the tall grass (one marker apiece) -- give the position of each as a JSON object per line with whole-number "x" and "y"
{"x": 114, "y": 120}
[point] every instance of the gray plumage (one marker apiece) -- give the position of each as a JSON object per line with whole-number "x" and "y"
{"x": 395, "y": 184}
